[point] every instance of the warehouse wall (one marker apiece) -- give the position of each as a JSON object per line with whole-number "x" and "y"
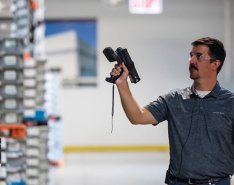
{"x": 159, "y": 45}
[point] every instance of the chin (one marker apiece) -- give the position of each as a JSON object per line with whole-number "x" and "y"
{"x": 193, "y": 77}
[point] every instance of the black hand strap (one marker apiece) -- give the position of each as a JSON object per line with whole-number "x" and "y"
{"x": 112, "y": 112}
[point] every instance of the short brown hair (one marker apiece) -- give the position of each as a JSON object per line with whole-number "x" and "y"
{"x": 216, "y": 47}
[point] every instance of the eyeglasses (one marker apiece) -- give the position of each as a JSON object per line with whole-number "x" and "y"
{"x": 199, "y": 56}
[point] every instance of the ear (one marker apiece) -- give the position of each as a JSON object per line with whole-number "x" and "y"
{"x": 215, "y": 64}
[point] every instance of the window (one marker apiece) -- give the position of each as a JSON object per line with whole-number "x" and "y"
{"x": 71, "y": 46}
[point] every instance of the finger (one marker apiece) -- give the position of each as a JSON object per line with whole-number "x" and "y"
{"x": 118, "y": 67}
{"x": 115, "y": 72}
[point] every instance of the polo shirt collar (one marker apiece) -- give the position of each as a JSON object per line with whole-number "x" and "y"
{"x": 215, "y": 91}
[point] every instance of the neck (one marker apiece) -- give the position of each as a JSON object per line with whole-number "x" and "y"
{"x": 205, "y": 85}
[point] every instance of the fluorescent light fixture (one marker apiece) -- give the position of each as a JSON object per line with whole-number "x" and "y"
{"x": 113, "y": 2}
{"x": 145, "y": 6}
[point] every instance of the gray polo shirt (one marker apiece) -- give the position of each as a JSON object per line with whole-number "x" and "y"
{"x": 200, "y": 131}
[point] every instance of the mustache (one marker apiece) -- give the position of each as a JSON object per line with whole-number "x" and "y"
{"x": 192, "y": 66}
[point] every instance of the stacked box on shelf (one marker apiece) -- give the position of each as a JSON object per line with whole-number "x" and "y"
{"x": 22, "y": 93}
{"x": 11, "y": 78}
{"x": 38, "y": 29}
{"x": 37, "y": 133}
{"x": 30, "y": 85}
{"x": 3, "y": 171}
{"x": 44, "y": 166}
{"x": 53, "y": 110}
{"x": 40, "y": 89}
{"x": 33, "y": 155}
{"x": 11, "y": 105}
{"x": 41, "y": 115}
{"x": 22, "y": 19}
{"x": 28, "y": 24}
{"x": 13, "y": 167}
{"x": 5, "y": 19}
{"x": 5, "y": 9}
{"x": 38, "y": 52}
{"x": 36, "y": 155}
{"x": 16, "y": 166}
{"x": 53, "y": 87}
{"x": 34, "y": 90}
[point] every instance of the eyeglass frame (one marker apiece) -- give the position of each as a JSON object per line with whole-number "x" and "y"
{"x": 200, "y": 57}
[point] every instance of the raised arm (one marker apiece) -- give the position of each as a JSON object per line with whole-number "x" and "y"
{"x": 135, "y": 113}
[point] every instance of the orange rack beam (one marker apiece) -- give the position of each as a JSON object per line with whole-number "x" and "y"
{"x": 17, "y": 130}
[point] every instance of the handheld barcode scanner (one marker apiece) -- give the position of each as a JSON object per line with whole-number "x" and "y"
{"x": 121, "y": 55}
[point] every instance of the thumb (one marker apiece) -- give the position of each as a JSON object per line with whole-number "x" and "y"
{"x": 125, "y": 69}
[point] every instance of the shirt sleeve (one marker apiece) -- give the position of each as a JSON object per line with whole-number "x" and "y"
{"x": 158, "y": 109}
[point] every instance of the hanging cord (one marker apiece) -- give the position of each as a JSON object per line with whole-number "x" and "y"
{"x": 112, "y": 112}
{"x": 186, "y": 140}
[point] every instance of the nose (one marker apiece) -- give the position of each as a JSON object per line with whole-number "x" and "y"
{"x": 192, "y": 59}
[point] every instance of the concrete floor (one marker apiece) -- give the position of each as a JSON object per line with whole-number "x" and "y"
{"x": 111, "y": 168}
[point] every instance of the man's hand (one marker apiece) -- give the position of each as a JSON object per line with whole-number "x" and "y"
{"x": 117, "y": 70}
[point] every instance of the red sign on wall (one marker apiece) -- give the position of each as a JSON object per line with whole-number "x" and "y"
{"x": 145, "y": 6}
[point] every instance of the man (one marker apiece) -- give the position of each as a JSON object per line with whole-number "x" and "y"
{"x": 200, "y": 118}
